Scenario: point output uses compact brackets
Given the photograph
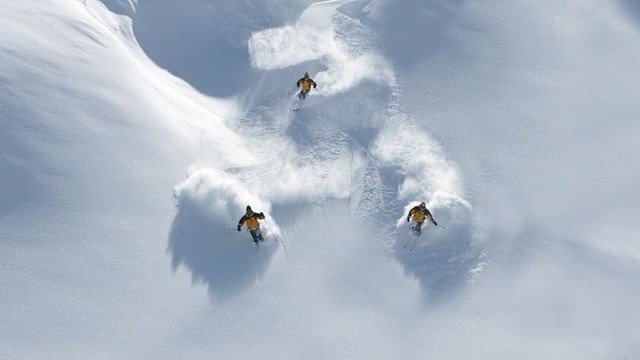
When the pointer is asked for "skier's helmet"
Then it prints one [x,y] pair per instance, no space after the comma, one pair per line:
[422,205]
[248,208]
[306,74]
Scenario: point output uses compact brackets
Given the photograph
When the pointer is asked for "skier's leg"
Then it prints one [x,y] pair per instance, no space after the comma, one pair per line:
[254,235]
[415,229]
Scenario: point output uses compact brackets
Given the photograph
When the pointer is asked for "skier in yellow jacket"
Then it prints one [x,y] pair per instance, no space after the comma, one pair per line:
[251,219]
[420,213]
[306,82]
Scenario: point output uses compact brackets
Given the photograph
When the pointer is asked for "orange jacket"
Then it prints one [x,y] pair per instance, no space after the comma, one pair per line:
[251,219]
[420,215]
[306,83]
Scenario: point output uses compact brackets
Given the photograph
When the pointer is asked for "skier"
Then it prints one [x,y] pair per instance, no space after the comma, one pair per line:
[251,219]
[420,213]
[306,83]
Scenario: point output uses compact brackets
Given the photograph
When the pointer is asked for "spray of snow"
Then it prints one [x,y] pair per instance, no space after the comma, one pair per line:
[328,37]
[427,173]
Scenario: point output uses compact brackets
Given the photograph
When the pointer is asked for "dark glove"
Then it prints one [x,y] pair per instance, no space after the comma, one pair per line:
[435,223]
[239,228]
[315,86]
[408,217]
[262,214]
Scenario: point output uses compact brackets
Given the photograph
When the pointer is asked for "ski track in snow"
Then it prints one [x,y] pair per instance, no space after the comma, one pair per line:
[348,141]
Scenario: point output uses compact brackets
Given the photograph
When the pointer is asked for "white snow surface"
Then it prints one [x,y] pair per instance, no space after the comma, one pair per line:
[133,133]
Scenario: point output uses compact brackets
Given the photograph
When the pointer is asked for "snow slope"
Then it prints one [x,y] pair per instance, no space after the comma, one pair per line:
[134,133]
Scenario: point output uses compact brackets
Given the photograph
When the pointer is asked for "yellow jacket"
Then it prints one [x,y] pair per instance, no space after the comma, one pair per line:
[420,215]
[251,219]
[306,83]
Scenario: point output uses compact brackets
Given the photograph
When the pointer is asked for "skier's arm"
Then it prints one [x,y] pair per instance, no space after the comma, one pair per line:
[298,83]
[260,216]
[313,83]
[431,218]
[243,219]
[409,216]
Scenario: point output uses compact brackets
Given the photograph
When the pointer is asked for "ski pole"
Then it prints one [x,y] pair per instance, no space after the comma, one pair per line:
[284,246]
[319,92]
[271,231]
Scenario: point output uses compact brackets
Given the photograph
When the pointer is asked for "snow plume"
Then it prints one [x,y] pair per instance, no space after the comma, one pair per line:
[287,46]
[444,261]
[217,193]
[427,173]
[313,162]
[323,168]
[204,238]
[342,45]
